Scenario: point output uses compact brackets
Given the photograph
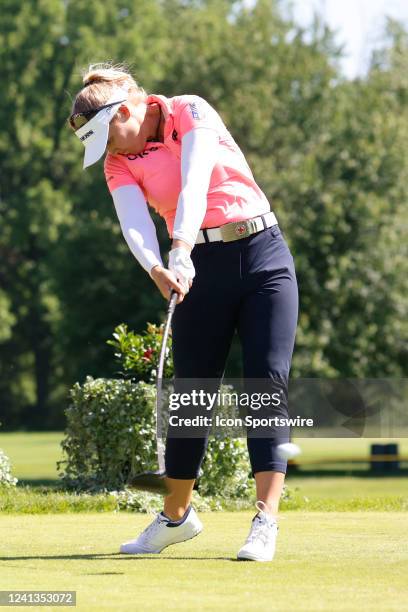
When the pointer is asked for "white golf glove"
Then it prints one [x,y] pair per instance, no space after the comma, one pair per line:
[181,265]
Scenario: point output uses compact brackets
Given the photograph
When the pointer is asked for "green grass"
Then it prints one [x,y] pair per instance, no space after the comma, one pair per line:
[337,562]
[325,451]
[42,500]
[341,488]
[339,545]
[34,457]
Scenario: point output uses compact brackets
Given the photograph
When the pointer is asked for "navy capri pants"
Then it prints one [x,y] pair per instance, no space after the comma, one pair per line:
[248,286]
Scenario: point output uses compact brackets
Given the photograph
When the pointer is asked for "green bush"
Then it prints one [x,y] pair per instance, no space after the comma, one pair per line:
[111,433]
[138,354]
[225,469]
[141,501]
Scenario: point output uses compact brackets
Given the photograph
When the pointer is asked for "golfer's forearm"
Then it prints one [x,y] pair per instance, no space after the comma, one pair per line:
[137,226]
[147,257]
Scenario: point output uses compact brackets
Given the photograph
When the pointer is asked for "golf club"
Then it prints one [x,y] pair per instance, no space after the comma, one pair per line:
[154,481]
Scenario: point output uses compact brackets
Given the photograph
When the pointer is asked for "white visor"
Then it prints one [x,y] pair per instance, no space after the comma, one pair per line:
[94,134]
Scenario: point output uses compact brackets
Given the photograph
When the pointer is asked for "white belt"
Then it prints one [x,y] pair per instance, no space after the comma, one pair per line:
[237,229]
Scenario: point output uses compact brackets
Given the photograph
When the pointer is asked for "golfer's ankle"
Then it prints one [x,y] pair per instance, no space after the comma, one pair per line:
[271,508]
[175,512]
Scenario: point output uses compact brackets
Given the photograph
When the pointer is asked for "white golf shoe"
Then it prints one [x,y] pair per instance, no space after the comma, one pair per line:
[261,541]
[162,532]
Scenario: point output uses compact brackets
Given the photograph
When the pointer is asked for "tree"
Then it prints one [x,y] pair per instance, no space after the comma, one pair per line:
[329,154]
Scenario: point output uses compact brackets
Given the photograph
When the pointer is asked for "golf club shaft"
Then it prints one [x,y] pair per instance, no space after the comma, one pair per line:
[159,379]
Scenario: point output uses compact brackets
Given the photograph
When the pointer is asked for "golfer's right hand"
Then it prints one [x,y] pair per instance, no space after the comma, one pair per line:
[166,281]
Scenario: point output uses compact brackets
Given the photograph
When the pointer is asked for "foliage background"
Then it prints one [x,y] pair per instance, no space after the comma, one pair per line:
[329,153]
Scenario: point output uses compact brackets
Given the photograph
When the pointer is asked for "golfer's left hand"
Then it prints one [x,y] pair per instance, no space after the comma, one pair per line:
[182,267]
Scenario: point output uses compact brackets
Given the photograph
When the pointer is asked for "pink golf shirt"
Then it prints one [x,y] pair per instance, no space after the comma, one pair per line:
[233,194]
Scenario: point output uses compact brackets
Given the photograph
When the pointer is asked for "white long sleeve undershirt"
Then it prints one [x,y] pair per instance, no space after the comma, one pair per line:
[137,225]
[198,156]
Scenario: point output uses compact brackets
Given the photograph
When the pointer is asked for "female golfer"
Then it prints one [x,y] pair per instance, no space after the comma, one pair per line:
[229,264]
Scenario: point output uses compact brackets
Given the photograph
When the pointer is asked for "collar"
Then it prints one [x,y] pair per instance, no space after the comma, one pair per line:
[167,111]
[164,104]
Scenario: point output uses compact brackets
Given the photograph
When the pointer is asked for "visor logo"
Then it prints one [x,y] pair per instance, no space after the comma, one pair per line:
[87,135]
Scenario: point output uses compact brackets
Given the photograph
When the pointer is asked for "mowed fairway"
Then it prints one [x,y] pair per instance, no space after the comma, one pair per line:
[33,455]
[324,561]
[342,543]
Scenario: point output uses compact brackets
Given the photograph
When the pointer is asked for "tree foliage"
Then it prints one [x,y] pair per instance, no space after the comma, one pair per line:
[330,155]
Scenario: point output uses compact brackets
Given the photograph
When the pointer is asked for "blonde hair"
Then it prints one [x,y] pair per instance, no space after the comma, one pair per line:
[98,82]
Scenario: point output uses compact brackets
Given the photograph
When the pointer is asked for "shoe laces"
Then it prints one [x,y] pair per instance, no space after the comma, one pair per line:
[261,528]
[152,528]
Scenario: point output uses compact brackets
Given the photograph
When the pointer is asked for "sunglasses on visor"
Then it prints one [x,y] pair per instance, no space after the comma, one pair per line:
[77,120]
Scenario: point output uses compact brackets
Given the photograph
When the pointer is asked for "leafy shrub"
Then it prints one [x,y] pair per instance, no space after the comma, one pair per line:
[141,501]
[225,469]
[6,478]
[111,433]
[138,354]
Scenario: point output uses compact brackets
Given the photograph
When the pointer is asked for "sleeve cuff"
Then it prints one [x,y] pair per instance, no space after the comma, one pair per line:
[153,265]
[180,235]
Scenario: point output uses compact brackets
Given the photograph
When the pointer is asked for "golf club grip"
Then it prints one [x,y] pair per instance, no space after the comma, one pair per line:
[172,302]
[170,310]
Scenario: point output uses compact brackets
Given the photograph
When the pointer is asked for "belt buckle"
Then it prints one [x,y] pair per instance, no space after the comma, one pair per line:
[237,230]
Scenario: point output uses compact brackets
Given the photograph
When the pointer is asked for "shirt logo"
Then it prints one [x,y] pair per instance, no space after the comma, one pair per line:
[194,110]
[141,155]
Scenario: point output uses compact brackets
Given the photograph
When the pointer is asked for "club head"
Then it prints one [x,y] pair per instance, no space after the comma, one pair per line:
[154,482]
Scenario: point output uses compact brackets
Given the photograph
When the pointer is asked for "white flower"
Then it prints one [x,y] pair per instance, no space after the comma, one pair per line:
[5,471]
